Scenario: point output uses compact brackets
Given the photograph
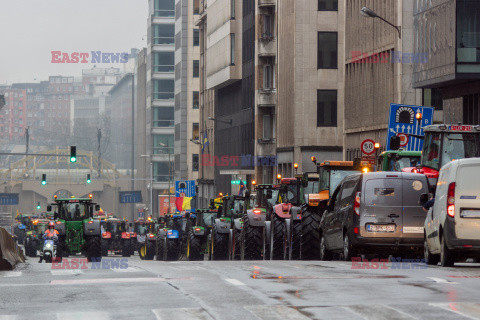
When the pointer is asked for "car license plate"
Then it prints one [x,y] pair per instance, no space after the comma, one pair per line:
[380,227]
[470,214]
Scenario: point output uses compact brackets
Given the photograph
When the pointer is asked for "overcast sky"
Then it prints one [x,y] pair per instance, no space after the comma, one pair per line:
[31,29]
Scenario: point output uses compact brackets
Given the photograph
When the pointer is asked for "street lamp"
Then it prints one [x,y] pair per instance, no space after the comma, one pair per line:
[369,13]
[223,121]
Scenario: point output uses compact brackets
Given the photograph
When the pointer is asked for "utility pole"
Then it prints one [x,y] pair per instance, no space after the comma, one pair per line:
[99,138]
[27,138]
[132,185]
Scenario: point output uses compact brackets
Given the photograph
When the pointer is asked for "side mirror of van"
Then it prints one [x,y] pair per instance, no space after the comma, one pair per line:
[423,199]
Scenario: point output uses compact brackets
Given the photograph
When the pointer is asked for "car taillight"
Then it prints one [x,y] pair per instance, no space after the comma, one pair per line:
[125,235]
[257,211]
[451,200]
[106,235]
[355,230]
[91,221]
[356,205]
[170,233]
[151,235]
[197,229]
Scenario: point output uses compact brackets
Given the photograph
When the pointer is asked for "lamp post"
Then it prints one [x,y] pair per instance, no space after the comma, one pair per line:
[151,182]
[166,146]
[369,13]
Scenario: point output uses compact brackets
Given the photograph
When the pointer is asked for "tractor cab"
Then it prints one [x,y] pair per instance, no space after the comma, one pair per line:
[397,160]
[266,196]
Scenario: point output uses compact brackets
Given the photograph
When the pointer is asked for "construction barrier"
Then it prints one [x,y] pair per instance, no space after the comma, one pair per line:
[10,253]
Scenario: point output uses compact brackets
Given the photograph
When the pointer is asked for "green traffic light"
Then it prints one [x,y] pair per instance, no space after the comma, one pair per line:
[73,159]
[44,182]
[38,207]
[88,181]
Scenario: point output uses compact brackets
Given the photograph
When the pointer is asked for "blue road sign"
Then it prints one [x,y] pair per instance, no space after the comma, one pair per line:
[403,121]
[130,196]
[185,188]
[8,199]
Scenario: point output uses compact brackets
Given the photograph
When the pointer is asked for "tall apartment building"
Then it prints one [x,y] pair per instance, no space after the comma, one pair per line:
[13,117]
[449,31]
[187,73]
[370,87]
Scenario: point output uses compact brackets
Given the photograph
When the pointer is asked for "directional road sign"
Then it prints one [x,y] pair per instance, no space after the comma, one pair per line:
[8,199]
[185,188]
[130,196]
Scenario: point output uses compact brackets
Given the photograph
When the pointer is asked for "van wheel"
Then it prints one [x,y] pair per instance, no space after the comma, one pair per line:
[431,259]
[325,254]
[348,250]
[447,257]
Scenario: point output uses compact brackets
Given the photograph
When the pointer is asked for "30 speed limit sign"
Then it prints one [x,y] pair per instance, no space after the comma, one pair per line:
[368,146]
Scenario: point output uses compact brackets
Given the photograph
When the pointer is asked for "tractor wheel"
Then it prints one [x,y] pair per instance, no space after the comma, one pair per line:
[104,249]
[252,240]
[220,245]
[159,249]
[237,244]
[94,249]
[277,238]
[173,249]
[296,238]
[325,254]
[149,250]
[310,235]
[28,250]
[126,248]
[33,248]
[194,247]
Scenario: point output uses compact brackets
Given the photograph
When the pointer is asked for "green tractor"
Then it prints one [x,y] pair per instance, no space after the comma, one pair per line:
[396,160]
[33,240]
[200,233]
[78,231]
[172,236]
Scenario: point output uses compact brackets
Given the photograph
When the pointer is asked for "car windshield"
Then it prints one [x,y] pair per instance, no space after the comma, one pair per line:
[267,198]
[289,194]
[73,211]
[312,187]
[208,218]
[238,206]
[460,146]
[403,162]
[141,228]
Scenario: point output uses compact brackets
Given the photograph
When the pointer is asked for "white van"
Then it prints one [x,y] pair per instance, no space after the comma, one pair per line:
[452,226]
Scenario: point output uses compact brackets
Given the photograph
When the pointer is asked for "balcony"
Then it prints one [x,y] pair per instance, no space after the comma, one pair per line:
[267,46]
[266,3]
[266,97]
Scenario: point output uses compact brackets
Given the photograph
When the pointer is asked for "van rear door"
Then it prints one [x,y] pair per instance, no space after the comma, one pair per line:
[413,213]
[381,216]
[467,201]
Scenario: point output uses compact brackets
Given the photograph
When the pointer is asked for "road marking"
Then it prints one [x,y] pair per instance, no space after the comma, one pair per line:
[129,269]
[10,274]
[181,313]
[276,312]
[378,312]
[112,280]
[469,310]
[83,315]
[64,272]
[8,317]
[440,280]
[235,282]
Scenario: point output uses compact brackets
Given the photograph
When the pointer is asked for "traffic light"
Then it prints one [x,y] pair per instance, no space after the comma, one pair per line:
[88,178]
[395,142]
[44,179]
[38,206]
[73,154]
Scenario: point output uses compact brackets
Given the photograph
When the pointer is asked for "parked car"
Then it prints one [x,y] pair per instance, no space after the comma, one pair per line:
[375,212]
[452,226]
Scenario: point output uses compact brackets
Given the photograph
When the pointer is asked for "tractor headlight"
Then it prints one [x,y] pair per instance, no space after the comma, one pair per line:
[48,245]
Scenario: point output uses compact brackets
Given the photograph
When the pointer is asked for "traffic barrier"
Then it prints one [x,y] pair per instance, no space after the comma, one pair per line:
[10,253]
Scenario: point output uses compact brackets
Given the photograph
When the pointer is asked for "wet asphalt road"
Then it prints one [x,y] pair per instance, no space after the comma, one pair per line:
[239,290]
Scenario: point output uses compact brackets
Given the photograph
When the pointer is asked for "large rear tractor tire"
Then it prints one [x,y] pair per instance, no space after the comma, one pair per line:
[252,240]
[160,249]
[126,248]
[149,250]
[194,250]
[296,239]
[94,249]
[237,245]
[277,238]
[220,245]
[311,235]
[173,249]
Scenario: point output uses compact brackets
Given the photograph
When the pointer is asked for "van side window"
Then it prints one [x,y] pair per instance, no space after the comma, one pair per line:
[334,198]
[348,192]
[383,192]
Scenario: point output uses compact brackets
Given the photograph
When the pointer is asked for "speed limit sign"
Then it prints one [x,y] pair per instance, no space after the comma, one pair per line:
[368,146]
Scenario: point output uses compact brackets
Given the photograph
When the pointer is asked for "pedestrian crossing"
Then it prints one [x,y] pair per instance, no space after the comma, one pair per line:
[447,311]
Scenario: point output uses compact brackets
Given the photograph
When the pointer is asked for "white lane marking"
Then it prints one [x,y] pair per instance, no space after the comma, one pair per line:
[235,282]
[276,312]
[378,312]
[83,315]
[10,274]
[469,310]
[63,272]
[440,280]
[112,280]
[8,317]
[129,269]
[181,313]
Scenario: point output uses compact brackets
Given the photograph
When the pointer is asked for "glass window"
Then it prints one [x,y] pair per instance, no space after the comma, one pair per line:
[196,6]
[468,31]
[431,148]
[267,126]
[196,68]
[460,146]
[327,5]
[196,37]
[163,144]
[163,89]
[267,76]
[164,8]
[327,50]
[195,131]
[326,108]
[163,117]
[196,96]
[383,192]
[267,26]
[194,162]
[162,171]
[164,61]
[432,98]
[164,34]
[232,9]
[232,48]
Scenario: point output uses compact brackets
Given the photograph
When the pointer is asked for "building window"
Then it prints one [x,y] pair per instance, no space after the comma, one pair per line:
[267,29]
[164,8]
[194,162]
[327,50]
[196,68]
[163,171]
[268,76]
[196,37]
[195,131]
[471,109]
[268,126]
[196,6]
[232,48]
[163,61]
[163,89]
[196,96]
[468,36]
[326,108]
[163,144]
[163,117]
[432,98]
[164,34]
[327,5]
[232,9]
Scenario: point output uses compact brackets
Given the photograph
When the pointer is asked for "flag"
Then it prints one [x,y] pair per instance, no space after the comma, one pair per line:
[205,141]
[183,203]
